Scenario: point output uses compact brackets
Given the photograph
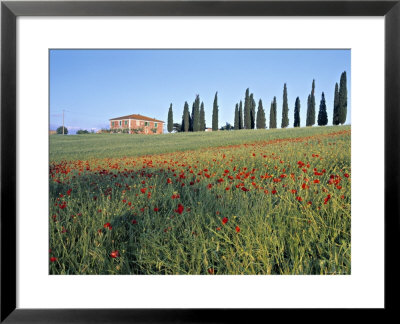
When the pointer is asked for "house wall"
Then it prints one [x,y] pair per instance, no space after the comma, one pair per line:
[134,123]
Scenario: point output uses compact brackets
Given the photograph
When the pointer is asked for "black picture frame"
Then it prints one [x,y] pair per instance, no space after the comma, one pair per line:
[10,10]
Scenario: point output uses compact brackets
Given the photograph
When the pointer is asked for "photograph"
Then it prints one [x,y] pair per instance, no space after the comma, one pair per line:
[199,161]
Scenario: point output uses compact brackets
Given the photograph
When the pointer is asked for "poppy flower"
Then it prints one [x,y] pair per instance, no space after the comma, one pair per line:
[114,254]
[53,259]
[245,189]
[180,209]
[224,220]
[237,229]
[143,190]
[108,225]
[156,209]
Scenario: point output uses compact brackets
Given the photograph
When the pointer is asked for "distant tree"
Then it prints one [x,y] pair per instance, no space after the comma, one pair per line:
[272,114]
[177,127]
[252,112]
[241,125]
[236,124]
[297,113]
[215,113]
[285,109]
[60,130]
[322,114]
[261,123]
[81,131]
[310,120]
[170,126]
[186,118]
[335,119]
[202,126]
[227,126]
[247,108]
[343,98]
[196,115]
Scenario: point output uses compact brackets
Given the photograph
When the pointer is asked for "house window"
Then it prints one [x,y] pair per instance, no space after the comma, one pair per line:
[137,123]
[146,123]
[120,123]
[155,125]
[126,122]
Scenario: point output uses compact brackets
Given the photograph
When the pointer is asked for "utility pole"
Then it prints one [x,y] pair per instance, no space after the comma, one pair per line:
[63,121]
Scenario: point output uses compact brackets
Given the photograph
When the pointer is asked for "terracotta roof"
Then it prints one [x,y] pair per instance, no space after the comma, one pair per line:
[137,116]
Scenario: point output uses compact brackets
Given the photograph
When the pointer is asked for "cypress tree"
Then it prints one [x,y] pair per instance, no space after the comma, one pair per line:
[297,113]
[170,126]
[247,121]
[322,114]
[272,114]
[191,119]
[285,109]
[252,112]
[202,126]
[335,119]
[196,115]
[343,98]
[261,124]
[185,118]
[241,115]
[215,113]
[236,124]
[310,120]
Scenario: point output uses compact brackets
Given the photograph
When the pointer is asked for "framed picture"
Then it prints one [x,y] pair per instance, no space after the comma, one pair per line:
[159,219]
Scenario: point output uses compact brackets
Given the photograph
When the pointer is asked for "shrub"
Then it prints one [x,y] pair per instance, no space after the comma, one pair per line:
[60,130]
[80,131]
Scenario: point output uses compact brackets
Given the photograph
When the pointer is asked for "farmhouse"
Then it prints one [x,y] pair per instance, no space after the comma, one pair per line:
[137,124]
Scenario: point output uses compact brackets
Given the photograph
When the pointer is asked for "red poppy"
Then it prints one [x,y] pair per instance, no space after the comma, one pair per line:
[237,229]
[224,220]
[180,209]
[69,192]
[114,254]
[156,209]
[53,259]
[143,190]
[108,225]
[245,189]
[299,198]
[134,221]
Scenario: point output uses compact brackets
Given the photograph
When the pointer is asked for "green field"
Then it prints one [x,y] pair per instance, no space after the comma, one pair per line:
[227,202]
[89,146]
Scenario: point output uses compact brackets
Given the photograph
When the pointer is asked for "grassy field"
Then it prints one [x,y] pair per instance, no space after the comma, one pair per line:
[95,146]
[239,202]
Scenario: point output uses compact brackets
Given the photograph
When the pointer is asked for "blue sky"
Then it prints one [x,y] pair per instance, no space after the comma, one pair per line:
[93,86]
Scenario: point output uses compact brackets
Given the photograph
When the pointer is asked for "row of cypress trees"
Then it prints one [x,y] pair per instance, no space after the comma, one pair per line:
[247,118]
[196,121]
